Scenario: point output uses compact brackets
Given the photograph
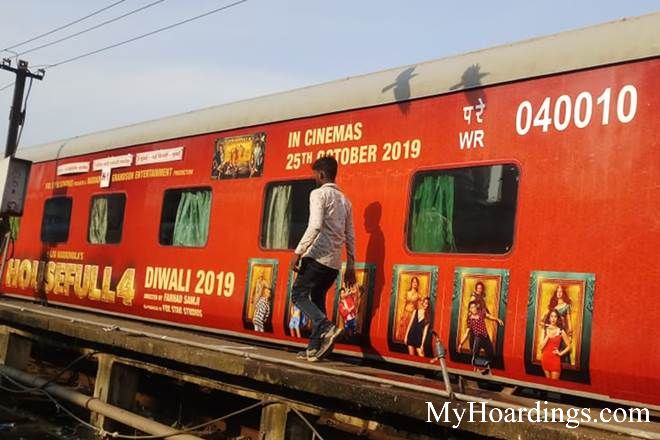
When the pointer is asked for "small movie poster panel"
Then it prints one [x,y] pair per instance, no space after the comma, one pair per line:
[352,305]
[296,323]
[239,156]
[476,332]
[412,304]
[260,287]
[559,314]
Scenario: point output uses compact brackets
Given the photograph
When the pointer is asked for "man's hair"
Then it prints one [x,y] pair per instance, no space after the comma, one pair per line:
[328,165]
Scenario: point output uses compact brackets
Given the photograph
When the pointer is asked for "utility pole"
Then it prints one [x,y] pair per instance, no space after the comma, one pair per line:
[14,173]
[17,114]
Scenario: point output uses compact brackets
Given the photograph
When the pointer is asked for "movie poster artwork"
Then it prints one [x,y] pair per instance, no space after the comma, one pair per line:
[412,304]
[239,156]
[352,305]
[259,291]
[478,303]
[559,315]
[296,323]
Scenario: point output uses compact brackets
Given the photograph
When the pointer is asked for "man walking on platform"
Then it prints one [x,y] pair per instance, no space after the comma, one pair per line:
[318,256]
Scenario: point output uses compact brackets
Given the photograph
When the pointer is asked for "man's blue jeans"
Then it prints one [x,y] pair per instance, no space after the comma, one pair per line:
[308,294]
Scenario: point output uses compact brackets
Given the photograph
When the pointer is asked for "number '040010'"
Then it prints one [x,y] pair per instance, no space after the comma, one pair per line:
[578,111]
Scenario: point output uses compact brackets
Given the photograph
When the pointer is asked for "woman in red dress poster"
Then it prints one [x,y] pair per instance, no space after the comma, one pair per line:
[553,335]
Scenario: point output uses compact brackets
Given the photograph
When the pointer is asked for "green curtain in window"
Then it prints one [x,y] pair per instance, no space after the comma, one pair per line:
[191,227]
[14,225]
[278,221]
[98,222]
[433,215]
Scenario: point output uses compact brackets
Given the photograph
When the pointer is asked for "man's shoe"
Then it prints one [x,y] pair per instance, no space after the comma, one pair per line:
[329,338]
[329,327]
[306,354]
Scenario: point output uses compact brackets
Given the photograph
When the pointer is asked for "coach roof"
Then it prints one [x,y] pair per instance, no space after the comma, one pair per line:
[615,42]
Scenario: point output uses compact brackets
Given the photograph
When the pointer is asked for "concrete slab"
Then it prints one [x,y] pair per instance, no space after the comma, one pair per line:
[375,394]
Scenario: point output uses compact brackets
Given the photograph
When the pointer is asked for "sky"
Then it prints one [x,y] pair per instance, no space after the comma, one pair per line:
[252,49]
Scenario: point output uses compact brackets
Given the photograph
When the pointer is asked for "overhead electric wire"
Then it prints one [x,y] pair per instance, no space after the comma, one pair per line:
[50,66]
[65,26]
[89,29]
[6,86]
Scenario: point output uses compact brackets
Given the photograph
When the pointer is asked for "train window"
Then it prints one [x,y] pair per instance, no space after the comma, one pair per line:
[184,220]
[106,219]
[56,220]
[464,210]
[283,226]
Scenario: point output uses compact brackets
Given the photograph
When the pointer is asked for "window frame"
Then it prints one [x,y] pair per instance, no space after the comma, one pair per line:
[123,219]
[160,220]
[43,217]
[264,199]
[457,166]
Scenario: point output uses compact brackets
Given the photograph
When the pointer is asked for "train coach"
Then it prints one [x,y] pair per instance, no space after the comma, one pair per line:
[515,186]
